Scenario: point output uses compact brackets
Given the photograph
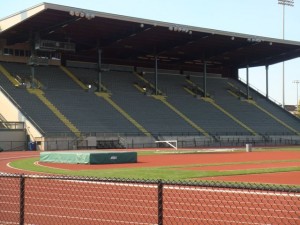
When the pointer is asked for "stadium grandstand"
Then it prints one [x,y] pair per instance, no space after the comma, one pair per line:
[73,78]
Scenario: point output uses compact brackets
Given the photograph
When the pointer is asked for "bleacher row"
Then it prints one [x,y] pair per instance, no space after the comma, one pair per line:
[129,108]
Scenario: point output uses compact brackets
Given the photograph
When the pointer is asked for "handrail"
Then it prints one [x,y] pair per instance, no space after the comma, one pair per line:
[259,91]
[178,134]
[23,111]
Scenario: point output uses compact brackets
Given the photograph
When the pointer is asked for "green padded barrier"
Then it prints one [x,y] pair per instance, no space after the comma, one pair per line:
[89,157]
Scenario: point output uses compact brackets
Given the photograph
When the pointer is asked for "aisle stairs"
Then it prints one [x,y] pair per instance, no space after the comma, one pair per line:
[107,97]
[163,99]
[40,94]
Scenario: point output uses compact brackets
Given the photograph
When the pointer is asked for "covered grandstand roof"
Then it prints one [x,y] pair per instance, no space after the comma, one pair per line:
[134,41]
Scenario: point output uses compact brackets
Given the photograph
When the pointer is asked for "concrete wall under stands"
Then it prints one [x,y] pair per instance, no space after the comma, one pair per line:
[13,139]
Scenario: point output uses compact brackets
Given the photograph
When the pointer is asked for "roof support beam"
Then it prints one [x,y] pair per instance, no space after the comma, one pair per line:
[99,89]
[204,80]
[247,74]
[125,36]
[267,81]
[156,75]
[273,59]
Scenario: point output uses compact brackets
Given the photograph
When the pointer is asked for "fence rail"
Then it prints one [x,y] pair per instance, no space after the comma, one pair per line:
[32,199]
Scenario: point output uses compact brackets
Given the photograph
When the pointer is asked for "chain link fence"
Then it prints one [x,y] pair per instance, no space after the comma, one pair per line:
[32,199]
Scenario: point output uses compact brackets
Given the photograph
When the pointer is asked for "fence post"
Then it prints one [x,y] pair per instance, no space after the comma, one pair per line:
[160,202]
[22,199]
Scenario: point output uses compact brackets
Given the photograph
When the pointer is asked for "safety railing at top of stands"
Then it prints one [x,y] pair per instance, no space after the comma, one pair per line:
[22,110]
[260,91]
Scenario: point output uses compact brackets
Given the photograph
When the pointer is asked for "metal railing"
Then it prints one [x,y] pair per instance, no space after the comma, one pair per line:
[12,125]
[61,144]
[32,199]
[260,91]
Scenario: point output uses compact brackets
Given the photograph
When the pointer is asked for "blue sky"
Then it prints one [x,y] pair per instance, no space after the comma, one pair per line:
[256,17]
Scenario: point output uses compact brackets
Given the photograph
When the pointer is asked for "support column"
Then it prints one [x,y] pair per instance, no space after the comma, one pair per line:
[99,88]
[32,68]
[204,80]
[33,63]
[247,74]
[156,75]
[267,81]
[283,86]
[22,200]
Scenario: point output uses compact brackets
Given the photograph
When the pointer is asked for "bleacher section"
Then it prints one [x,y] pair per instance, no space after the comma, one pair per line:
[144,108]
[138,105]
[201,112]
[128,111]
[271,107]
[90,113]
[29,103]
[258,120]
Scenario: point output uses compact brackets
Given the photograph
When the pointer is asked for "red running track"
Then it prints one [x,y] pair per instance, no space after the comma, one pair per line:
[57,201]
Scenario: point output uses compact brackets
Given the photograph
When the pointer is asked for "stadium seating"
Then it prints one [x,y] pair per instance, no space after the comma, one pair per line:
[225,116]
[261,122]
[201,112]
[31,105]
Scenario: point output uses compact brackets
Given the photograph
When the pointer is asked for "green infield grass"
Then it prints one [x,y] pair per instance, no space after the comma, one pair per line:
[166,172]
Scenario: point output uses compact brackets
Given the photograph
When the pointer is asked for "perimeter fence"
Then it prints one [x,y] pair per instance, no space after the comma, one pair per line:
[32,199]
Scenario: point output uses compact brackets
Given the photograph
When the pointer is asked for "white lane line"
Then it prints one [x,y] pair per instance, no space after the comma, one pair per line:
[37,163]
[204,189]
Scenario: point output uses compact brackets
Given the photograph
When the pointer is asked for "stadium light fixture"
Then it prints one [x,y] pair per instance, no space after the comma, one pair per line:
[180,29]
[297,82]
[81,14]
[291,4]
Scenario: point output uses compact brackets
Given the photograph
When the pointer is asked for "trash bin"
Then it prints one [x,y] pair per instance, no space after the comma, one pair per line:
[32,146]
[248,147]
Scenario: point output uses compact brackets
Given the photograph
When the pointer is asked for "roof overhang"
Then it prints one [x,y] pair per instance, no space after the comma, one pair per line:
[135,41]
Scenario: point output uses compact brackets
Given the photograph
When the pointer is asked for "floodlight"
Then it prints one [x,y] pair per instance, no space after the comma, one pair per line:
[297,82]
[284,3]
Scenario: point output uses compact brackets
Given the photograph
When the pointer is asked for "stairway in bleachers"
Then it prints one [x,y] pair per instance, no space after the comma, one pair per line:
[127,110]
[29,104]
[202,113]
[156,117]
[41,95]
[89,78]
[258,120]
[194,89]
[277,111]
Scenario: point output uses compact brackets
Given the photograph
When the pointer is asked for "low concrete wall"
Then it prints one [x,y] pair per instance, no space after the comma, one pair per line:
[13,140]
